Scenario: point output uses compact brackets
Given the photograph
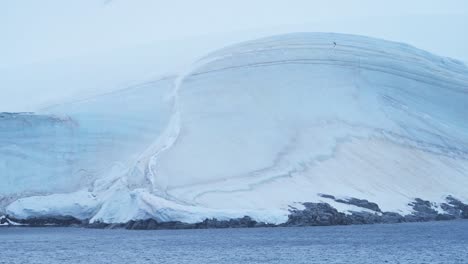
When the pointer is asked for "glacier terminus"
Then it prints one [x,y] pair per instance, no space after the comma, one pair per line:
[294,129]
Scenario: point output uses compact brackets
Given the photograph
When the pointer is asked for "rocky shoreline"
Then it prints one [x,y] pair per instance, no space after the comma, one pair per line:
[313,214]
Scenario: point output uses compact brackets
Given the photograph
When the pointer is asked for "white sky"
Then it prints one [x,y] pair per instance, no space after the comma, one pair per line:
[52,51]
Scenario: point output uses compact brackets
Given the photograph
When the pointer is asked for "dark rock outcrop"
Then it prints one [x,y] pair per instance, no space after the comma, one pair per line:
[313,214]
[316,214]
[151,224]
[392,218]
[361,218]
[360,203]
[49,221]
[3,220]
[244,222]
[363,203]
[424,211]
[323,214]
[455,207]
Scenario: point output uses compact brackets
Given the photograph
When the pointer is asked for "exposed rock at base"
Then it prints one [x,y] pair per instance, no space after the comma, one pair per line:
[313,214]
[361,218]
[392,218]
[316,214]
[455,207]
[48,221]
[322,214]
[3,220]
[424,211]
[151,224]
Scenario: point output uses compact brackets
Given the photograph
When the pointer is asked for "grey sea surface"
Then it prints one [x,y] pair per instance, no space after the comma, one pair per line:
[432,242]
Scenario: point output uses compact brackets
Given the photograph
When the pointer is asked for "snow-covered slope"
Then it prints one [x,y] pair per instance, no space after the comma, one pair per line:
[254,128]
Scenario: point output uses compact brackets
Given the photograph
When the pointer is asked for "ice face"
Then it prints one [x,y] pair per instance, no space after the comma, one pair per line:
[68,147]
[34,153]
[255,127]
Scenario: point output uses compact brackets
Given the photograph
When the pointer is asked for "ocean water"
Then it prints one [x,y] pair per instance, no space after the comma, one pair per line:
[435,242]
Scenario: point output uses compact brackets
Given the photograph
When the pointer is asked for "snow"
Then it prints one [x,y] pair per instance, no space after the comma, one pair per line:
[253,129]
[80,205]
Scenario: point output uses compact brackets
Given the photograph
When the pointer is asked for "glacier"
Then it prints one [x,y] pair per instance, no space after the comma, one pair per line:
[252,129]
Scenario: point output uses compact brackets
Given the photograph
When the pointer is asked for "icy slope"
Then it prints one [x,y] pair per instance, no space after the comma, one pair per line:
[67,147]
[256,127]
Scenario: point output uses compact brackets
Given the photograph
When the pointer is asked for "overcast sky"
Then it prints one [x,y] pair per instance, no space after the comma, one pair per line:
[44,43]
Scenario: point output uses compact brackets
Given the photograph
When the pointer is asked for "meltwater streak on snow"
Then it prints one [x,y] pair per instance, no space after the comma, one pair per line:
[166,140]
[448,138]
[147,160]
[169,137]
[262,125]
[121,203]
